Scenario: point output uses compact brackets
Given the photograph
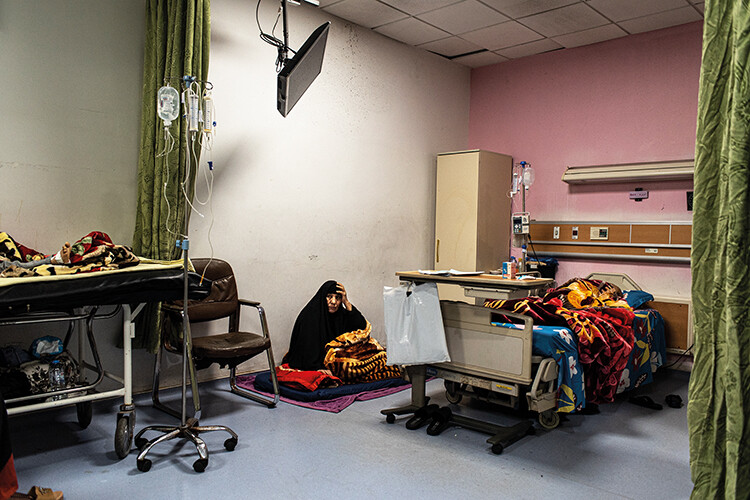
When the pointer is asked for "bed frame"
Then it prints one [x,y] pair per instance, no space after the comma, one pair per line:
[492,363]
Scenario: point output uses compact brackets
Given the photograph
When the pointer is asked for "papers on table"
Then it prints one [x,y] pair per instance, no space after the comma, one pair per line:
[450,272]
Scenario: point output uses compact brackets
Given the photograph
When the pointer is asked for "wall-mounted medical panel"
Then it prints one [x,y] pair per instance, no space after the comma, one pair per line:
[647,241]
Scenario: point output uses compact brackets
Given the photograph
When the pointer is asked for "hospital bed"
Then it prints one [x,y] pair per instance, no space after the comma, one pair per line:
[519,364]
[76,299]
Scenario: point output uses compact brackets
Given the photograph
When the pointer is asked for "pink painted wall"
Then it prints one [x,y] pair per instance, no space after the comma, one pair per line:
[633,99]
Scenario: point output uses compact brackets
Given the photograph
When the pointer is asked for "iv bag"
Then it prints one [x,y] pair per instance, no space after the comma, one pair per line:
[528,176]
[168,104]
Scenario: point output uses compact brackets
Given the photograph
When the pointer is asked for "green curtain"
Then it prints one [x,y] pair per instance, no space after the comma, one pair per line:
[178,34]
[719,390]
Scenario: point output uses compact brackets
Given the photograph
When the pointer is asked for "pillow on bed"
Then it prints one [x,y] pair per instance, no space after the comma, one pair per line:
[636,298]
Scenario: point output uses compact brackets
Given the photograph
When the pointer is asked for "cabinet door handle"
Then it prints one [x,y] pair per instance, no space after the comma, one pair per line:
[437,250]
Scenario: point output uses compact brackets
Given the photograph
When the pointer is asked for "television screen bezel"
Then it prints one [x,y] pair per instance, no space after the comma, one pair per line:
[320,33]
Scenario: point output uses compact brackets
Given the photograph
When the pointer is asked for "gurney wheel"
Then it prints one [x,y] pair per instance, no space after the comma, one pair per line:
[452,393]
[497,448]
[123,437]
[549,419]
[85,412]
[390,418]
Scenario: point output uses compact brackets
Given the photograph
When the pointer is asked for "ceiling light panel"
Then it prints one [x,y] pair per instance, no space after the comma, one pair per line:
[577,17]
[461,17]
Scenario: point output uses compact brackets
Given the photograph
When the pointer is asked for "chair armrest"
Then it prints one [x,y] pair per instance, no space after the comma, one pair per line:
[261,313]
[245,302]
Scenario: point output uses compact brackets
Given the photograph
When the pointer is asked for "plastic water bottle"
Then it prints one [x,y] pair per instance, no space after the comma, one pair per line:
[56,379]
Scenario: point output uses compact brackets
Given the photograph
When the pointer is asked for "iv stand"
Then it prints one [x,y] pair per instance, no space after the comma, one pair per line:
[189,428]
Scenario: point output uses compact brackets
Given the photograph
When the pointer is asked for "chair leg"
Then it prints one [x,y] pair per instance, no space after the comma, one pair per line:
[247,393]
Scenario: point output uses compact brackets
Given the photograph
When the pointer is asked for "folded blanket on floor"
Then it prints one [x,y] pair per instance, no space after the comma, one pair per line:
[332,399]
[356,357]
[306,380]
[93,252]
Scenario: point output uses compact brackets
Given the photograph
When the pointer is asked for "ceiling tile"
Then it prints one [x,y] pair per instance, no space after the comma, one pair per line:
[501,35]
[577,17]
[521,8]
[594,35]
[701,6]
[415,7]
[412,31]
[620,10]
[367,13]
[661,20]
[480,59]
[461,17]
[529,49]
[450,47]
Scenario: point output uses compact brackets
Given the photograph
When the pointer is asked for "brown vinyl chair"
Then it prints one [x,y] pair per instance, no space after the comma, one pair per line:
[227,349]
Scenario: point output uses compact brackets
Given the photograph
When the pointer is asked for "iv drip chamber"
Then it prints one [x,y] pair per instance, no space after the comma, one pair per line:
[194,111]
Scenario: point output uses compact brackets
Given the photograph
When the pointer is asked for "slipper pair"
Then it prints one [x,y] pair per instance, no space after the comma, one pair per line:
[441,420]
[645,401]
[421,417]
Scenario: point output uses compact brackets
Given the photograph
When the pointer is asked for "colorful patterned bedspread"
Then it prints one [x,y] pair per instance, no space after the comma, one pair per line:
[559,343]
[649,351]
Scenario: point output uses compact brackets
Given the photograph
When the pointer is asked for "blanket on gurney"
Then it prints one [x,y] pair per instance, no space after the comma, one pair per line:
[601,323]
[93,252]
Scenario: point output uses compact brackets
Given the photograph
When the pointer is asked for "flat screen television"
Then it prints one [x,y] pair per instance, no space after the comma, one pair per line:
[301,70]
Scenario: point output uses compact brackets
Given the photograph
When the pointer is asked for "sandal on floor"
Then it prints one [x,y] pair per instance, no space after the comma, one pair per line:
[38,493]
[441,420]
[421,417]
[645,401]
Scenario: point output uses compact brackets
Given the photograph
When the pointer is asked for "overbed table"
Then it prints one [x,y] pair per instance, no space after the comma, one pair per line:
[481,286]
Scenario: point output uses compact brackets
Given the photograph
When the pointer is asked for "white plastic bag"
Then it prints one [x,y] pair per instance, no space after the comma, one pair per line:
[414,325]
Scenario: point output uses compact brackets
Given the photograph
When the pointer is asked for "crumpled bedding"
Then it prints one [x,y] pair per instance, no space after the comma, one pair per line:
[602,322]
[93,252]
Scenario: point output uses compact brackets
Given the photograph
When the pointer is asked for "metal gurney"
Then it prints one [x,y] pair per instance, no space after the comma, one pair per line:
[75,298]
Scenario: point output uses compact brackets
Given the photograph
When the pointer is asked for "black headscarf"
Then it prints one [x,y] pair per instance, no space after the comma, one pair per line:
[315,327]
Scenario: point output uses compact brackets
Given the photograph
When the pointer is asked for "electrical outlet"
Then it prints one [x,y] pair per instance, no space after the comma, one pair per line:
[556,233]
[574,235]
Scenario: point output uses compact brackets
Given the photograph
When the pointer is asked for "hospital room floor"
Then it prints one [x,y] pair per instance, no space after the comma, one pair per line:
[625,451]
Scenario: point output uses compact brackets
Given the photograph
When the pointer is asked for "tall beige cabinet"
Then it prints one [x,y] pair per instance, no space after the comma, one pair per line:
[472,213]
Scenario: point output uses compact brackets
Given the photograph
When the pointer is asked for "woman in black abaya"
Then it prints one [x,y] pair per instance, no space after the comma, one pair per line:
[328,314]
